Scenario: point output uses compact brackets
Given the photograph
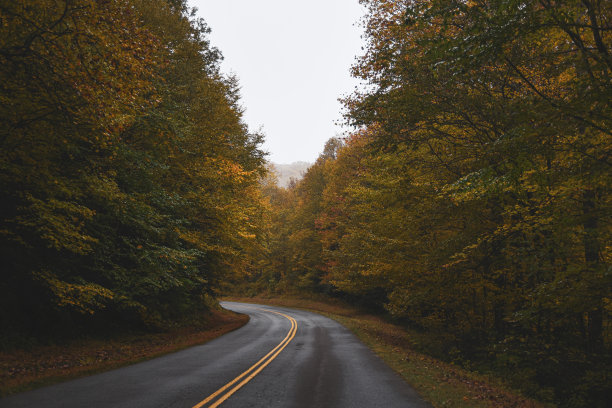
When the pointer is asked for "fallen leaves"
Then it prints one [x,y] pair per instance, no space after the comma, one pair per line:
[24,369]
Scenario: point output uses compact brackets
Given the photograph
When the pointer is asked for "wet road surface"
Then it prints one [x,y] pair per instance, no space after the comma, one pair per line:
[287,358]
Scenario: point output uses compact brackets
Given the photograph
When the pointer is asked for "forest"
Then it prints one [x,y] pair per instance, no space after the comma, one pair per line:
[129,183]
[470,203]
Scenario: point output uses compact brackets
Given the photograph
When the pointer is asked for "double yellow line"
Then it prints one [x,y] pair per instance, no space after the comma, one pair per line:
[221,395]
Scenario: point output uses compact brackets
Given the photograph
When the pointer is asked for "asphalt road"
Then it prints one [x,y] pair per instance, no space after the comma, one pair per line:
[310,361]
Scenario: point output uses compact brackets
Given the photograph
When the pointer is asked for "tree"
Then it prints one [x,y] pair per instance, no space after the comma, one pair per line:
[129,182]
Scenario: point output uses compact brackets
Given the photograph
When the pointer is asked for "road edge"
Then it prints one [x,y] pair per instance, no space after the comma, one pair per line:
[439,383]
[159,344]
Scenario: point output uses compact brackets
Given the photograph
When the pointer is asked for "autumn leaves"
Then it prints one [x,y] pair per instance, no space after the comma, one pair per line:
[127,173]
[474,202]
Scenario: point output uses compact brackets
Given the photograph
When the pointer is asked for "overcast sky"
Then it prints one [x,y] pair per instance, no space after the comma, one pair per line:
[293,60]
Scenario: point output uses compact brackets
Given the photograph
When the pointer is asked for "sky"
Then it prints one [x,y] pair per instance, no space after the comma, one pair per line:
[293,59]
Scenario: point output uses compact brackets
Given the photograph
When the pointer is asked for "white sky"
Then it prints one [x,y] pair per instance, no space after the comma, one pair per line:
[293,60]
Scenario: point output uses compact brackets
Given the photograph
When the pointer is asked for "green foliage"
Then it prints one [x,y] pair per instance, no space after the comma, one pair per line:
[474,202]
[128,177]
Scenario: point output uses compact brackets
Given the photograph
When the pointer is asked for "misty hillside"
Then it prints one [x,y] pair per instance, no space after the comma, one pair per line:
[285,172]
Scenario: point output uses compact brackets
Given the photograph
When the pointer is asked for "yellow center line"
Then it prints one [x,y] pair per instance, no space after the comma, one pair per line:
[254,369]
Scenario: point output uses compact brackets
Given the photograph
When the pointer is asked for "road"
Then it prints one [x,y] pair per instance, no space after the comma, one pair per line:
[281,358]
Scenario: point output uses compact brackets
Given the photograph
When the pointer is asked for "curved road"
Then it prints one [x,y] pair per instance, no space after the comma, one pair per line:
[287,358]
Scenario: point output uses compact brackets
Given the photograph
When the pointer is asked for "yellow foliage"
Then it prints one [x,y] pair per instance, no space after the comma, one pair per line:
[86,298]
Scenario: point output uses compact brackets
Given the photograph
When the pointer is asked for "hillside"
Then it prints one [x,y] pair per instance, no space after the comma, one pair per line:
[286,172]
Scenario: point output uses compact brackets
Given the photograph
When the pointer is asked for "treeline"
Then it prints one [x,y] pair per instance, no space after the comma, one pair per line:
[129,182]
[474,202]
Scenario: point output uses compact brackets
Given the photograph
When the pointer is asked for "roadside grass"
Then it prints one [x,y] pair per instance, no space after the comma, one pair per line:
[22,370]
[442,384]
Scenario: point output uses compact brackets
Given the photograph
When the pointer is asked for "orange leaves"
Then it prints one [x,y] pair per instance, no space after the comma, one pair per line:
[127,162]
[229,169]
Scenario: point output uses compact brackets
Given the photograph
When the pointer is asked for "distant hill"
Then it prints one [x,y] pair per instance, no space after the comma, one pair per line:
[285,172]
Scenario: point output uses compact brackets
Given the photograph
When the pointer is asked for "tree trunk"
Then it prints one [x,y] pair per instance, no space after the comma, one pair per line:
[591,257]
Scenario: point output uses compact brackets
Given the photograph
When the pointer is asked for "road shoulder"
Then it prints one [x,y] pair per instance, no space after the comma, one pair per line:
[22,370]
[439,383]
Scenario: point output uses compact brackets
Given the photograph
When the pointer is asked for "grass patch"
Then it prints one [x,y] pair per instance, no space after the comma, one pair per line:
[442,384]
[21,370]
